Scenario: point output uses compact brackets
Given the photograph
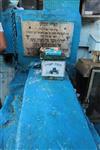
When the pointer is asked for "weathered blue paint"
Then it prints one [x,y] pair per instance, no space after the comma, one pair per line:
[48,117]
[54,11]
[10,112]
[54,117]
[37,113]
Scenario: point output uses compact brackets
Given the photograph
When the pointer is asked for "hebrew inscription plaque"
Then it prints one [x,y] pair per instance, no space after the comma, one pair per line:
[44,34]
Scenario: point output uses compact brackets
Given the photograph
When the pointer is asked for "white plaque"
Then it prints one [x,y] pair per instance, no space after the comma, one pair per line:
[53,68]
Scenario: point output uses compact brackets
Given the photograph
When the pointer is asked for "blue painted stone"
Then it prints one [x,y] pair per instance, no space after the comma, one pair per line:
[51,117]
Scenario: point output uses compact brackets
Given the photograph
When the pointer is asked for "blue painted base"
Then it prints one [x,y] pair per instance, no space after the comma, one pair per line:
[46,116]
